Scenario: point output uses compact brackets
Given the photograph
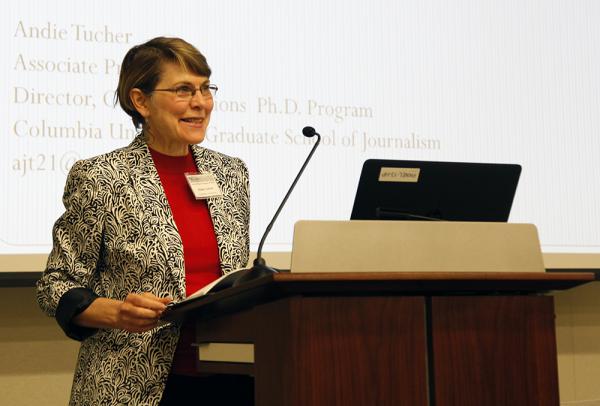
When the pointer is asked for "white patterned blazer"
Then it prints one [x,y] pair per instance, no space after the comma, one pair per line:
[116,236]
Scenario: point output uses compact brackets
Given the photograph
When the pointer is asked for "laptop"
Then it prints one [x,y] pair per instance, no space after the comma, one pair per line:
[425,190]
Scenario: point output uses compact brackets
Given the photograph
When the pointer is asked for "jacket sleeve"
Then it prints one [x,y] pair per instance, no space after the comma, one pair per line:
[64,288]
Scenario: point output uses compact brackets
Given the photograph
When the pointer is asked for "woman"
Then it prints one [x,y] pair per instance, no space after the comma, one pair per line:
[134,237]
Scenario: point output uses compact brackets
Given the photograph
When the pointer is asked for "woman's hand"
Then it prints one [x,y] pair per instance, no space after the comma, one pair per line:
[140,312]
[136,314]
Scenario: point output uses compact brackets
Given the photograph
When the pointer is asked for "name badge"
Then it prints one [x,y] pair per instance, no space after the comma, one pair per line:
[203,185]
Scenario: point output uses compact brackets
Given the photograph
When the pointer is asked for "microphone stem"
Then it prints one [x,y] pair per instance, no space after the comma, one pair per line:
[289,192]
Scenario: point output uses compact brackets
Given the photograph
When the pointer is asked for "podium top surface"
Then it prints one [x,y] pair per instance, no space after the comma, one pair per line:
[286,284]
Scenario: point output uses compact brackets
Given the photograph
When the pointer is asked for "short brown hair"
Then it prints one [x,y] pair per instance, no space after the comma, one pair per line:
[141,68]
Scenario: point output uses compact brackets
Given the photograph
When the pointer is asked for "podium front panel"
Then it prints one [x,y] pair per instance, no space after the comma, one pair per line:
[494,350]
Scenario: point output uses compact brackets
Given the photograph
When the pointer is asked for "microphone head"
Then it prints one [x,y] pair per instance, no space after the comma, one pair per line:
[308,132]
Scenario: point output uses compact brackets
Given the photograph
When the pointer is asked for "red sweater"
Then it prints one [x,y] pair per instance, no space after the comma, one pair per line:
[200,250]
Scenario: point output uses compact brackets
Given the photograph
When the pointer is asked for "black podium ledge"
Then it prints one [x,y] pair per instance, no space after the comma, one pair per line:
[28,279]
[276,286]
[594,271]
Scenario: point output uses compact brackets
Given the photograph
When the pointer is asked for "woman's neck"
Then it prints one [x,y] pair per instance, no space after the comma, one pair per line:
[166,147]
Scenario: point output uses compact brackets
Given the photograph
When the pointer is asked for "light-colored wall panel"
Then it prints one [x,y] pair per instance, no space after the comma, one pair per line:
[36,359]
[578,344]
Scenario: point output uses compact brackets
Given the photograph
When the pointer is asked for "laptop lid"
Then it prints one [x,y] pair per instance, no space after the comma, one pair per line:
[425,190]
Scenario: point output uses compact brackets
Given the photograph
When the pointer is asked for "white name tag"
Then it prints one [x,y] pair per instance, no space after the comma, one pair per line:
[203,185]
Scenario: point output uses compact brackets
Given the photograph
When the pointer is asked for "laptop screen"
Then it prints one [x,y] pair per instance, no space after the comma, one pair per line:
[423,190]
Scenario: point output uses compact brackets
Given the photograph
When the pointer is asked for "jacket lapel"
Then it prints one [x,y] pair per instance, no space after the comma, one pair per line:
[159,221]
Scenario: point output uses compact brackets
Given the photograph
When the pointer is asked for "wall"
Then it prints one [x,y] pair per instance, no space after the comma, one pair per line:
[36,359]
[578,343]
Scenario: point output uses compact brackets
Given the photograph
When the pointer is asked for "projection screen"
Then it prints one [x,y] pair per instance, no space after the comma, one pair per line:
[460,80]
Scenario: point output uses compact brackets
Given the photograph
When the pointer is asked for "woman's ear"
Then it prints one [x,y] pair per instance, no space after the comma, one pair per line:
[140,101]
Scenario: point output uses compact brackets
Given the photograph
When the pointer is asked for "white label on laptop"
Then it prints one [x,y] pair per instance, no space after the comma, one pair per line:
[203,185]
[399,174]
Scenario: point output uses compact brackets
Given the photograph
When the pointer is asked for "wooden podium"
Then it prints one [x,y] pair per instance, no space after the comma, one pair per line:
[386,338]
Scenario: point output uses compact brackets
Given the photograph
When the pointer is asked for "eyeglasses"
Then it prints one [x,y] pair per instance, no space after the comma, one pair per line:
[186,92]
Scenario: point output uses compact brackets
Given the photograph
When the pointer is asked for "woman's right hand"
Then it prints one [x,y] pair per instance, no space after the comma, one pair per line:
[141,312]
[137,313]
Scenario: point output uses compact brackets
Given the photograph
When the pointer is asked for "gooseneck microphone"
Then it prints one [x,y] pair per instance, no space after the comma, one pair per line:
[259,266]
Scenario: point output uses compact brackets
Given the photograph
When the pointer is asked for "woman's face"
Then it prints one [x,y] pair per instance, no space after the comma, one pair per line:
[173,123]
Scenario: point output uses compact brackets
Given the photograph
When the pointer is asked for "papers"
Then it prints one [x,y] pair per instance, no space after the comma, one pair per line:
[224,282]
